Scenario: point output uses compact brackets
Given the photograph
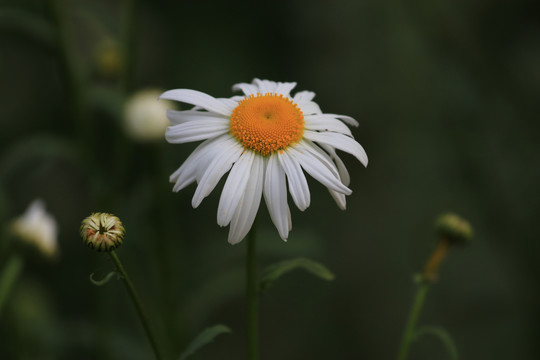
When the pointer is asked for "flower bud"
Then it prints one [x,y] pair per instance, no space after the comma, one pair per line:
[108,59]
[38,228]
[453,228]
[102,232]
[145,117]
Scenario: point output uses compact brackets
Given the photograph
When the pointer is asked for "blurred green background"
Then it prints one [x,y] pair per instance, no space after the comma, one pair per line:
[446,93]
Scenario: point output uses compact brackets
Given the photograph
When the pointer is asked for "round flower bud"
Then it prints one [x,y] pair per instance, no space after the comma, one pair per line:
[102,231]
[38,228]
[453,228]
[145,117]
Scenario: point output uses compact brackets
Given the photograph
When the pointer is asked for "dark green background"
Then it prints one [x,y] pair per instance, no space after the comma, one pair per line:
[446,93]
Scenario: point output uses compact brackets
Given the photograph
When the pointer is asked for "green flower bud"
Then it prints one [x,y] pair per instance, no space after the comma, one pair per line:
[102,231]
[453,228]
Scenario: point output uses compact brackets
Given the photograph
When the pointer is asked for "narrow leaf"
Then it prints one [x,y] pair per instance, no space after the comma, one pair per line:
[205,337]
[103,281]
[275,271]
[443,335]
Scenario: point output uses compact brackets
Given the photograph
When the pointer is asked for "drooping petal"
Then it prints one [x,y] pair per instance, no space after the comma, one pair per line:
[342,169]
[180,117]
[201,99]
[339,198]
[244,215]
[321,156]
[323,122]
[275,195]
[234,188]
[215,170]
[339,141]
[319,171]
[298,186]
[196,130]
[186,174]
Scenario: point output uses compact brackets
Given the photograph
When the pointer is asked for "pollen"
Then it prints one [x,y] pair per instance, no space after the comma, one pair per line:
[267,123]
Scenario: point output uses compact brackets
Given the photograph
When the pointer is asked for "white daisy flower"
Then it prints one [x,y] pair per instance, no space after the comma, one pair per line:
[267,139]
[38,228]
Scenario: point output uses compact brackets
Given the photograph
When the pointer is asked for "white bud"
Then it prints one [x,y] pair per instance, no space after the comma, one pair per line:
[145,116]
[38,228]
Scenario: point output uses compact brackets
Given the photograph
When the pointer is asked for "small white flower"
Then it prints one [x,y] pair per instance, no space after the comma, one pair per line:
[38,228]
[144,118]
[267,139]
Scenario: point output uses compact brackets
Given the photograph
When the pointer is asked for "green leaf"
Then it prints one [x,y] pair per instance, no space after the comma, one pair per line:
[275,271]
[443,335]
[205,337]
[103,281]
[28,24]
[8,278]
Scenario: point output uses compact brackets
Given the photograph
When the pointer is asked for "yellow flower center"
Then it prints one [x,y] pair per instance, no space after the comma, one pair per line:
[266,123]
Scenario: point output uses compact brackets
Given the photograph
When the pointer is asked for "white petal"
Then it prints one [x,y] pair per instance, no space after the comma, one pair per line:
[234,188]
[265,86]
[285,88]
[308,146]
[324,122]
[186,174]
[346,119]
[298,186]
[275,195]
[339,141]
[342,169]
[303,96]
[309,108]
[249,204]
[201,99]
[196,130]
[247,89]
[319,171]
[215,170]
[339,199]
[180,117]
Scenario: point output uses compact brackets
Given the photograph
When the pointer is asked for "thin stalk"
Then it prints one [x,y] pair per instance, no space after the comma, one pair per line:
[408,335]
[8,277]
[138,304]
[429,275]
[252,316]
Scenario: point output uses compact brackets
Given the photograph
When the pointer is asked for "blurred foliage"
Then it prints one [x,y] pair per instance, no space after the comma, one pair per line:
[446,93]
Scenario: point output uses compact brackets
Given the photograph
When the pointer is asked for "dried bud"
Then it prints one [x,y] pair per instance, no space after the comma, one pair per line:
[102,231]
[453,228]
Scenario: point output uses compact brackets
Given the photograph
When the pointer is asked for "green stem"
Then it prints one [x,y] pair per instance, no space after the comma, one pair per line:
[138,304]
[251,297]
[8,277]
[408,335]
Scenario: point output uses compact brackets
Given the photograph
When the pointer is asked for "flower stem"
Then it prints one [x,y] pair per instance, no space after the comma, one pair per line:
[8,277]
[429,275]
[251,297]
[408,335]
[138,304]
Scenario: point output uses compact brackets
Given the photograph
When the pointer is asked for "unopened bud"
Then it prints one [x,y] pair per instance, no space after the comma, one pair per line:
[145,118]
[37,227]
[102,231]
[453,228]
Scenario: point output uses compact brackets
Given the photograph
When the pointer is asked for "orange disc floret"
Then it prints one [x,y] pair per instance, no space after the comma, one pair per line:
[266,123]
